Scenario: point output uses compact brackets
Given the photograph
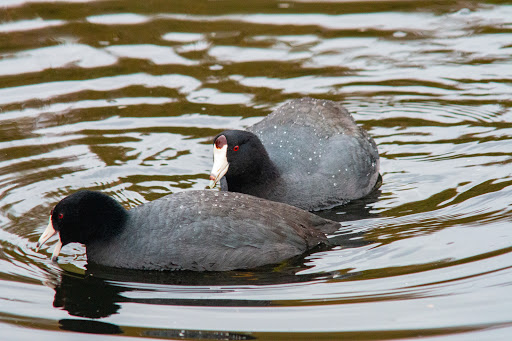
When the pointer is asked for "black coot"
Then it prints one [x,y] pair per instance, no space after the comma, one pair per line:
[193,230]
[309,153]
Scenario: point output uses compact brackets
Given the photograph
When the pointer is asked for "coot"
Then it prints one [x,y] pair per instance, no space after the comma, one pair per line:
[309,153]
[193,230]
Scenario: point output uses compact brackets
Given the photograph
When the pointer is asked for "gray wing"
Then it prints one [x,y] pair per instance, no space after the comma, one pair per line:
[320,151]
[216,231]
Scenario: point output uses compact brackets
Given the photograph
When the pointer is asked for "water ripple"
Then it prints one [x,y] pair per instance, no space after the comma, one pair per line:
[126,99]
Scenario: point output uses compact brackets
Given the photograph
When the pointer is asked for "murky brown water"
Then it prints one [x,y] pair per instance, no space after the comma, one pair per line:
[124,97]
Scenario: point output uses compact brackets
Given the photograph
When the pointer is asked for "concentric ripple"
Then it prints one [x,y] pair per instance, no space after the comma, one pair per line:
[124,97]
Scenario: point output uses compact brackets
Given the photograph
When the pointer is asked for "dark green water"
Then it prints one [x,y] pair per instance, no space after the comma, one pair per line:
[125,96]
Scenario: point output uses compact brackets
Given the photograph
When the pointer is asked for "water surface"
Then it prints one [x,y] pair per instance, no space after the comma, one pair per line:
[125,96]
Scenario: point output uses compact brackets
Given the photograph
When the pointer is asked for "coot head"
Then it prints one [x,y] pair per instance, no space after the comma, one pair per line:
[239,155]
[83,217]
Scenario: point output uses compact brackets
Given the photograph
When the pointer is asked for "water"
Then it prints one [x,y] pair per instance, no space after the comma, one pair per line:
[124,97]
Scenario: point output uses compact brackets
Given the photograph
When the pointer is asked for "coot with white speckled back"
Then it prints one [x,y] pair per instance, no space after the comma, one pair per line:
[308,153]
[193,230]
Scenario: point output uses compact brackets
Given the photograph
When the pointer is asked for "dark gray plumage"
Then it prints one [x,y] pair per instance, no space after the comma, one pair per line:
[192,230]
[317,157]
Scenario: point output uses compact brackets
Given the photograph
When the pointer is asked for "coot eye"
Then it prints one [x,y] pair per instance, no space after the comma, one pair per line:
[61,215]
[236,148]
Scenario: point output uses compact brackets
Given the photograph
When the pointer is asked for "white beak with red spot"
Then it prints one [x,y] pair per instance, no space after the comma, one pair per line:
[50,231]
[220,160]
[220,165]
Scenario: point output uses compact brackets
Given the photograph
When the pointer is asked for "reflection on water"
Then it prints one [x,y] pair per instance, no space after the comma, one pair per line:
[125,97]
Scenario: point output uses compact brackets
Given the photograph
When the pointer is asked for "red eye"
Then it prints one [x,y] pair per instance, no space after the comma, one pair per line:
[236,148]
[61,215]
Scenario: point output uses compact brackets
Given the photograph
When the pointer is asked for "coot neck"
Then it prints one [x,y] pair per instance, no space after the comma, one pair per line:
[261,176]
[101,218]
[110,226]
